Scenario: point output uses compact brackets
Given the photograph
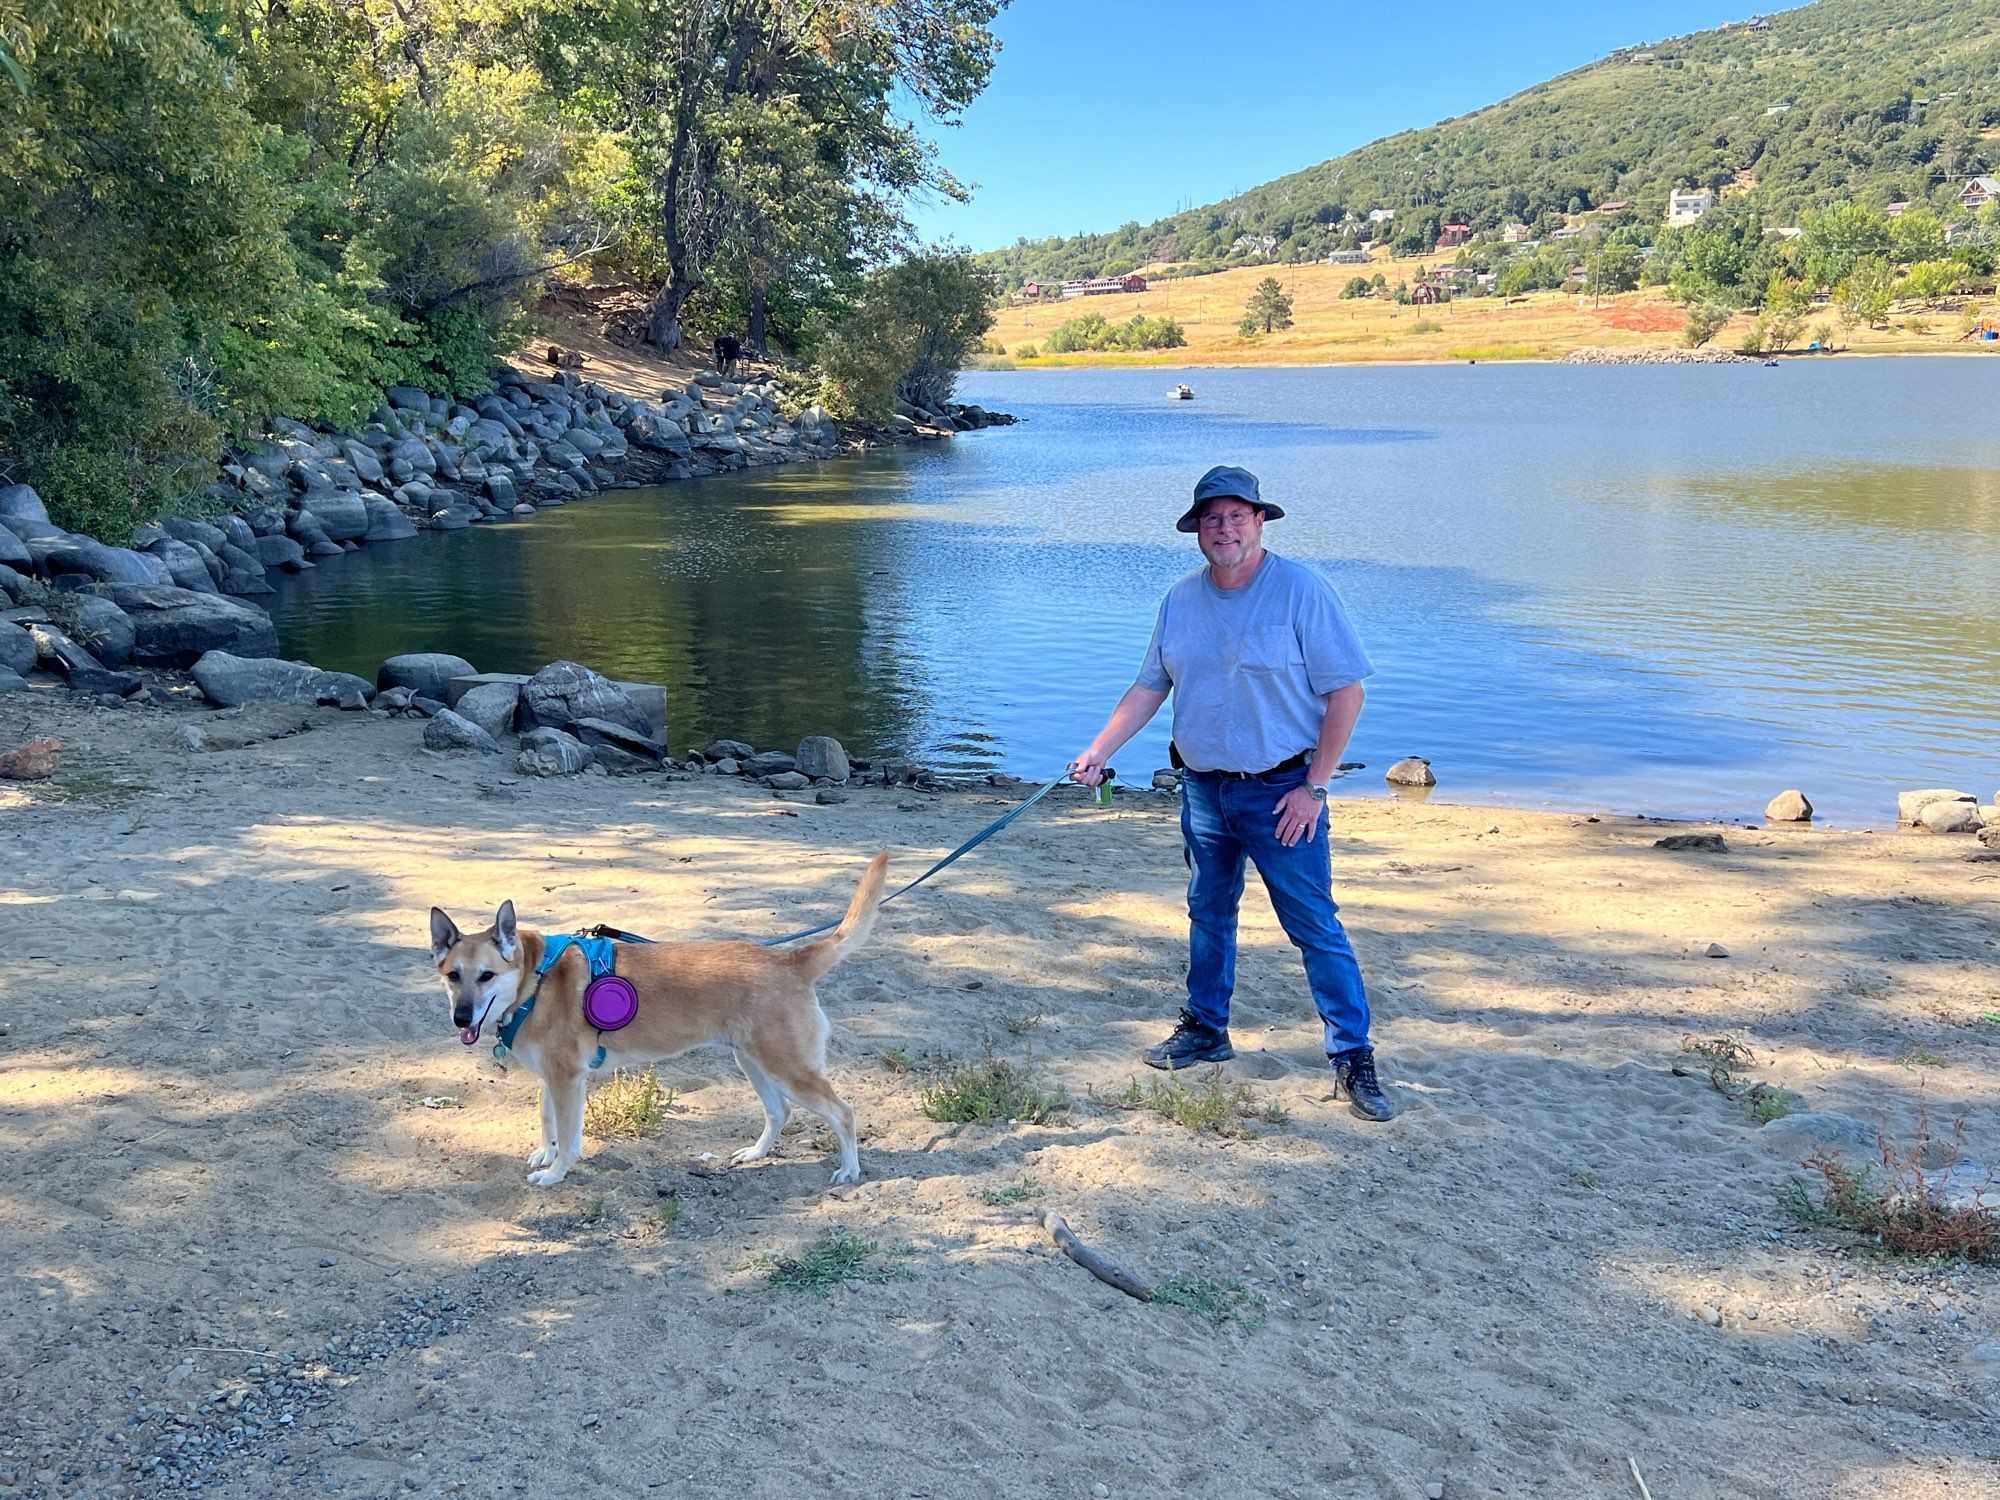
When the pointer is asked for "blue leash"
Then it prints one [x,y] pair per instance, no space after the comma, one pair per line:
[959,853]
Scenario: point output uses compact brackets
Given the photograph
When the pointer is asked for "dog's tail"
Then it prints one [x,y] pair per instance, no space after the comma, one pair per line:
[819,958]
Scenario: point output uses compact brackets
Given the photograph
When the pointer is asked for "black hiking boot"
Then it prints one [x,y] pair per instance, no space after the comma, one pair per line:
[1354,1076]
[1191,1043]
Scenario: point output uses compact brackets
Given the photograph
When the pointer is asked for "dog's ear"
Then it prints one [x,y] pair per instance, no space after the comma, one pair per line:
[444,934]
[505,933]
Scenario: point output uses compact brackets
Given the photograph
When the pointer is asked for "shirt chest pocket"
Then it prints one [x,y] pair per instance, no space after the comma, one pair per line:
[1269,649]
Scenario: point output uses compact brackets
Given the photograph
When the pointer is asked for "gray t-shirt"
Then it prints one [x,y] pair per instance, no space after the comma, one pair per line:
[1251,668]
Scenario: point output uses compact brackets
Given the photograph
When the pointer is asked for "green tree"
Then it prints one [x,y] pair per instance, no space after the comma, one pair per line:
[907,335]
[1704,321]
[1866,292]
[1928,280]
[1269,306]
[1917,235]
[1611,267]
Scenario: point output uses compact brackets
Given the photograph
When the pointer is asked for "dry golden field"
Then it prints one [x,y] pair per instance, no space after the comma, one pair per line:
[1329,330]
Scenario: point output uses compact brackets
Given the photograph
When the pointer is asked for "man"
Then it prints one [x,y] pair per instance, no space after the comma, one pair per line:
[1265,673]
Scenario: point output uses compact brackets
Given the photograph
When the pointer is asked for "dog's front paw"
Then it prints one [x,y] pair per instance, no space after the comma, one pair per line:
[747,1155]
[550,1175]
[845,1176]
[542,1156]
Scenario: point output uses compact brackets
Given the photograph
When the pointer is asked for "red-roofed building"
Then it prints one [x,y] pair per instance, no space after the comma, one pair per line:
[1454,235]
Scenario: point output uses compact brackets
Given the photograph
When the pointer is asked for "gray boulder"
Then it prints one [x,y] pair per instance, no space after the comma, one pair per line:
[407,398]
[17,500]
[651,428]
[12,681]
[172,627]
[565,691]
[446,730]
[458,687]
[729,750]
[1951,817]
[1910,805]
[361,458]
[788,781]
[1789,807]
[17,648]
[491,706]
[386,522]
[768,763]
[102,629]
[304,528]
[230,681]
[1415,771]
[243,572]
[342,514]
[412,456]
[550,752]
[195,532]
[425,673]
[14,552]
[276,551]
[56,652]
[105,564]
[821,755]
[617,748]
[185,564]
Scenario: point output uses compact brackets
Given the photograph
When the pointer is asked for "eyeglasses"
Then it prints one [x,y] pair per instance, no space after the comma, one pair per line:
[1211,521]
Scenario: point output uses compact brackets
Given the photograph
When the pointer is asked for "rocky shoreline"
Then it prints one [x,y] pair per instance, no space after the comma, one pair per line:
[124,623]
[1656,357]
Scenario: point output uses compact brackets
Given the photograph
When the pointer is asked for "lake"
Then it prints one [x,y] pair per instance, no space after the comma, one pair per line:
[1668,590]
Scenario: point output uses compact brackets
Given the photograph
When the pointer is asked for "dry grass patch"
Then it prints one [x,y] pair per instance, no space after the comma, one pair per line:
[627,1105]
[1213,1106]
[992,1088]
[1903,1210]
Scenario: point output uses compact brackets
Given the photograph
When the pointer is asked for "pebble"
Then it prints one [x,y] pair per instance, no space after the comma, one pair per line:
[1710,1315]
[1716,950]
[1100,1490]
[1434,1490]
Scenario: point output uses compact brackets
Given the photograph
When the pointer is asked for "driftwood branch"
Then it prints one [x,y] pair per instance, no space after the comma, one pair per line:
[1092,1262]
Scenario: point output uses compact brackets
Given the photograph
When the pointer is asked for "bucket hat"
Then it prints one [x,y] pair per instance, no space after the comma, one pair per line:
[1226,480]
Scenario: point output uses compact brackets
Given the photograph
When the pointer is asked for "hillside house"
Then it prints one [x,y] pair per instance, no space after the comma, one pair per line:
[1615,206]
[1686,205]
[1103,286]
[1381,215]
[1978,192]
[1897,210]
[1253,244]
[1514,233]
[1349,258]
[1453,235]
[1760,23]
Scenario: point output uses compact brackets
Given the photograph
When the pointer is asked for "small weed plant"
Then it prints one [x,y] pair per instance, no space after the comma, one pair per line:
[992,1088]
[1015,1192]
[1726,1055]
[835,1259]
[627,1105]
[1902,1210]
[1764,1103]
[1218,1302]
[1211,1106]
[1021,1025]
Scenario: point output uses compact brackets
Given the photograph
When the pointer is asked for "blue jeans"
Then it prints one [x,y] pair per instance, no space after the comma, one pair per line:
[1225,820]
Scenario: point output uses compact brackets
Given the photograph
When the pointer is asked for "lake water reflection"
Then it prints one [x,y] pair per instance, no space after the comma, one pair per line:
[1665,590]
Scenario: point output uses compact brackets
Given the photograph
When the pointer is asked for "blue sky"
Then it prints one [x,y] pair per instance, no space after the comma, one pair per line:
[1102,111]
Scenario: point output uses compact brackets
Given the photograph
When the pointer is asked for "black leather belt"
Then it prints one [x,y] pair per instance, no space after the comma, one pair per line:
[1303,758]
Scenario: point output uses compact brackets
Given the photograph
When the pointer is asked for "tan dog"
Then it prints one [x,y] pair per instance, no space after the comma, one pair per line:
[759,1000]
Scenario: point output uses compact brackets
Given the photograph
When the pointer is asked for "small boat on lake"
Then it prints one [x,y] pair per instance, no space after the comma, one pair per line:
[1180,393]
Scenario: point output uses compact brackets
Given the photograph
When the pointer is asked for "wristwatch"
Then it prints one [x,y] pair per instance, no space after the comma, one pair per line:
[1318,791]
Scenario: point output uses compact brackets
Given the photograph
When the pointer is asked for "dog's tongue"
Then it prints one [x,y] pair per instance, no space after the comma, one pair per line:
[468,1034]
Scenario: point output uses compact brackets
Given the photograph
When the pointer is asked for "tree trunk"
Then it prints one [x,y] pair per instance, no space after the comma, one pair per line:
[664,331]
[756,328]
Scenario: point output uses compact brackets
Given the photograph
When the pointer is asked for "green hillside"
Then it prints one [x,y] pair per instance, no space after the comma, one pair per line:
[1878,100]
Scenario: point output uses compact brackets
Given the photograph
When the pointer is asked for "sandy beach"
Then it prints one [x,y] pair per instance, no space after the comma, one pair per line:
[267,1226]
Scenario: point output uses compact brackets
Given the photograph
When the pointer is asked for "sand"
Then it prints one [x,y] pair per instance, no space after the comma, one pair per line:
[237,1119]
